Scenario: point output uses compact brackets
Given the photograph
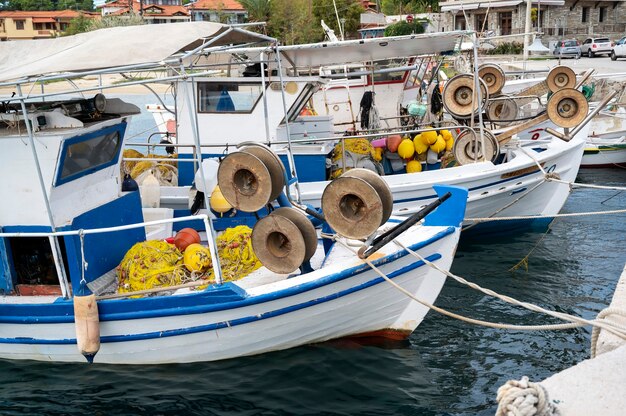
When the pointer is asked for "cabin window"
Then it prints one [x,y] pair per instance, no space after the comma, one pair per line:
[228,97]
[89,153]
[342,71]
[389,76]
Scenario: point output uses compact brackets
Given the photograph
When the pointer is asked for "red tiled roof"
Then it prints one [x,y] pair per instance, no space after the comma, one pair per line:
[216,5]
[167,10]
[39,14]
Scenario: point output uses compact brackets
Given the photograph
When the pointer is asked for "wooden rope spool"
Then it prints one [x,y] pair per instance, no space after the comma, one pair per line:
[458,96]
[356,204]
[493,76]
[381,187]
[278,243]
[468,148]
[567,108]
[560,77]
[502,111]
[250,178]
[304,225]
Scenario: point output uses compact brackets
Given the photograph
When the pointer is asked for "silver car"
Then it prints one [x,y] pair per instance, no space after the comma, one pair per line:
[596,46]
[567,48]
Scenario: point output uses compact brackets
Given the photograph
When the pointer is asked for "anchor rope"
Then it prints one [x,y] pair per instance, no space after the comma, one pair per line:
[552,177]
[612,327]
[445,312]
[595,333]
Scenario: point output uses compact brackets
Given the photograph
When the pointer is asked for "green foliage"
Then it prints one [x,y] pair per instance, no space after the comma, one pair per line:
[404,28]
[79,24]
[347,9]
[397,7]
[84,24]
[30,5]
[86,5]
[292,22]
[258,10]
[507,48]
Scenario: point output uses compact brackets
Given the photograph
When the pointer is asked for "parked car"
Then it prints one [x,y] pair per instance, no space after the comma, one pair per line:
[567,48]
[596,46]
[619,49]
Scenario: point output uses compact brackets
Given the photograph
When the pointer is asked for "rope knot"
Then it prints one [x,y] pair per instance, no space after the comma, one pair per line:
[552,175]
[524,398]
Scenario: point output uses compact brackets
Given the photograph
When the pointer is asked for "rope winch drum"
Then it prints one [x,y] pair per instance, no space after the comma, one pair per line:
[468,147]
[251,177]
[502,111]
[493,76]
[459,99]
[561,77]
[567,108]
[284,240]
[357,203]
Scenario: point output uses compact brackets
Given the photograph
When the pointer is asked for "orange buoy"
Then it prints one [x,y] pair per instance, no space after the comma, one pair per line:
[393,142]
[185,237]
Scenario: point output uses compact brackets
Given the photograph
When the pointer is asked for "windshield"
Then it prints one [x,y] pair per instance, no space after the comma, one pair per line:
[602,40]
[570,43]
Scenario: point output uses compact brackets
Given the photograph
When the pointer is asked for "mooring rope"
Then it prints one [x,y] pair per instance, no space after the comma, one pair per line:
[595,333]
[488,324]
[612,327]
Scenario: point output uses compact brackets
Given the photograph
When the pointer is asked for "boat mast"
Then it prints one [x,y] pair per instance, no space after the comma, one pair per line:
[54,242]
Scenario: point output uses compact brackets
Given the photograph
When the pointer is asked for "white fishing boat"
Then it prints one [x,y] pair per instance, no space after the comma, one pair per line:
[511,178]
[72,236]
[606,143]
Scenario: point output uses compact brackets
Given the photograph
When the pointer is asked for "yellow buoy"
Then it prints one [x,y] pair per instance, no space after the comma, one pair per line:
[429,137]
[406,149]
[218,202]
[197,258]
[446,134]
[413,166]
[439,145]
[420,146]
[449,144]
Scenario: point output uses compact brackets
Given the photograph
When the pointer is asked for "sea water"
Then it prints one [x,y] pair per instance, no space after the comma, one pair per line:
[447,367]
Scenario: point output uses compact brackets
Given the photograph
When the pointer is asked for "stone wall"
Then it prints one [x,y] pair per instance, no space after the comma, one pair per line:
[559,22]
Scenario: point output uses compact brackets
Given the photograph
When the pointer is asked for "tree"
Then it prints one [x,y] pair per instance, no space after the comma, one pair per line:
[392,7]
[258,10]
[292,22]
[30,5]
[78,24]
[350,10]
[404,28]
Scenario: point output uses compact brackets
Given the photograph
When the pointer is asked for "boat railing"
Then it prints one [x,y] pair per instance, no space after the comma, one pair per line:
[83,232]
[305,141]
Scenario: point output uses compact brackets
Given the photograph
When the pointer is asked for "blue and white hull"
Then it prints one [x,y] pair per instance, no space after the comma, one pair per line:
[343,298]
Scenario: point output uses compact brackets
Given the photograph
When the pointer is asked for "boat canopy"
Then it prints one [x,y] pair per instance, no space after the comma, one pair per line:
[113,48]
[366,50]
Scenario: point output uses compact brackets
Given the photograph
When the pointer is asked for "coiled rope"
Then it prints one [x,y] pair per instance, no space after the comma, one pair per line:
[524,398]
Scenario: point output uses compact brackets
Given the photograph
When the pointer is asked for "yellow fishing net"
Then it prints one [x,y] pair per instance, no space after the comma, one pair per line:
[158,264]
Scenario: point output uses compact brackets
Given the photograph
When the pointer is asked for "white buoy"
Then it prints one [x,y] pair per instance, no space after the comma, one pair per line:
[87,323]
[150,192]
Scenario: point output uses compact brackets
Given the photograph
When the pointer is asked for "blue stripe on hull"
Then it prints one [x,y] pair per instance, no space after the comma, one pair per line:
[215,298]
[234,322]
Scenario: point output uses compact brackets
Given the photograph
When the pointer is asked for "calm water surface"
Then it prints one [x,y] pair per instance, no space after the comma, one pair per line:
[446,368]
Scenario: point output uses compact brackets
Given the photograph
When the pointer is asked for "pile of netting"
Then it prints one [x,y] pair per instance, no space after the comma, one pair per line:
[355,151]
[158,264]
[166,171]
